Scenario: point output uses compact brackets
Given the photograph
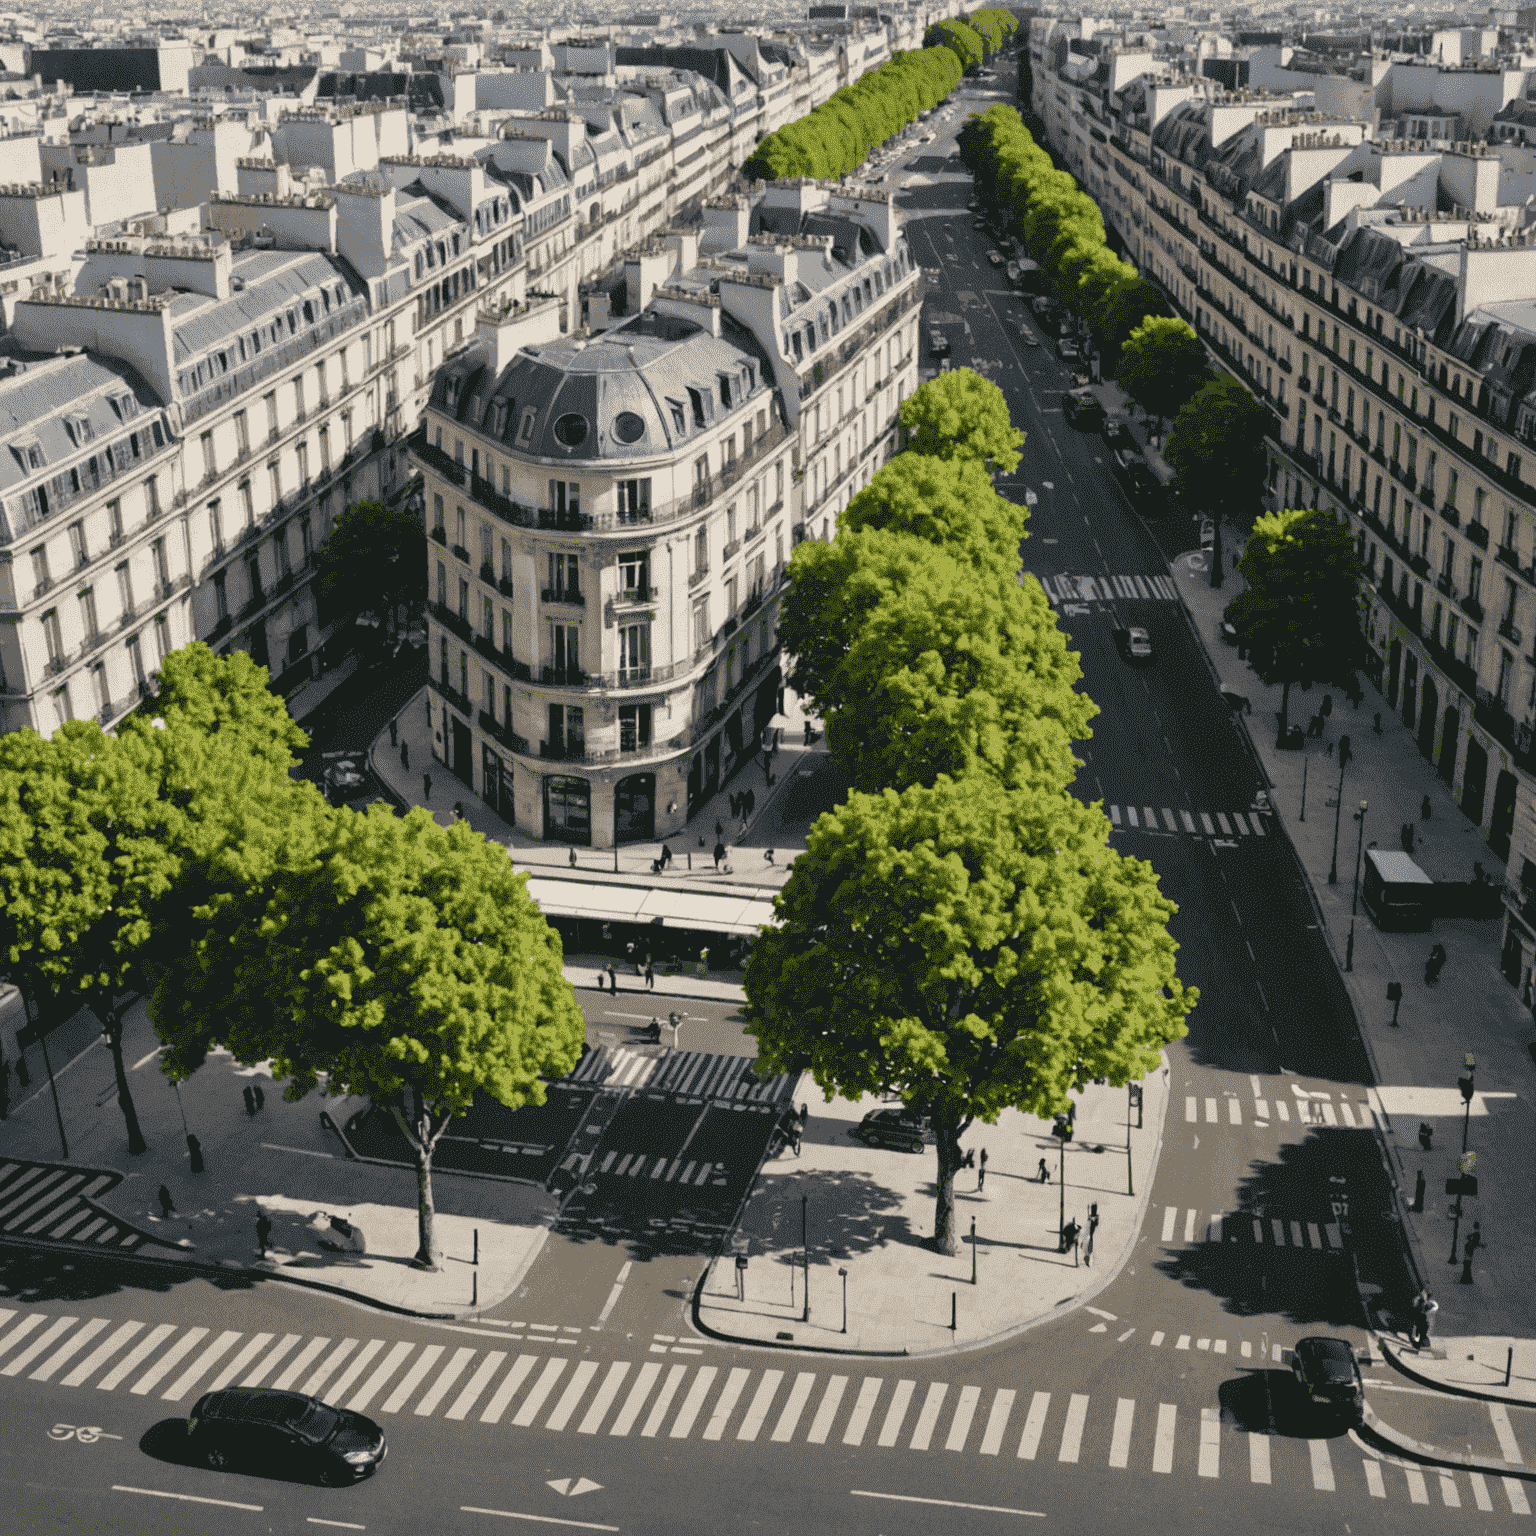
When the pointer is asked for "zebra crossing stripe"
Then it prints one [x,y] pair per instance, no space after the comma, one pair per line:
[784,1430]
[1516,1496]
[158,1371]
[762,1400]
[482,1379]
[1034,1426]
[446,1378]
[1322,1466]
[645,1379]
[1162,1445]
[272,1360]
[1258,1459]
[540,1390]
[375,1383]
[1448,1493]
[328,1367]
[140,1352]
[205,1362]
[40,1345]
[507,1390]
[890,1431]
[821,1425]
[1210,1442]
[960,1425]
[575,1390]
[1417,1491]
[682,1425]
[1480,1492]
[858,1420]
[1072,1429]
[928,1416]
[1120,1440]
[664,1401]
[1189,821]
[20,1331]
[300,1362]
[69,1349]
[52,1178]
[997,1421]
[101,1354]
[342,1383]
[725,1404]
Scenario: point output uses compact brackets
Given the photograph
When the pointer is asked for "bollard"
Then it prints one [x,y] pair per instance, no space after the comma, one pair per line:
[476,1259]
[474,1288]
[1509,1364]
[973,1250]
[953,1303]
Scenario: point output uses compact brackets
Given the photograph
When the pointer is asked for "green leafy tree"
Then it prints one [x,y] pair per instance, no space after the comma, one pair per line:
[393,956]
[965,44]
[1162,366]
[961,415]
[373,560]
[971,949]
[948,502]
[957,673]
[1299,616]
[1127,308]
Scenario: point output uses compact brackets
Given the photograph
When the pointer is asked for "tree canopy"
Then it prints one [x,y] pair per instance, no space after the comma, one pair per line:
[1299,616]
[970,948]
[1162,366]
[1217,449]
[373,559]
[966,44]
[390,957]
[961,415]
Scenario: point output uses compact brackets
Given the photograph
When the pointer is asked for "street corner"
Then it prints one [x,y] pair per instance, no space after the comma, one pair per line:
[1495,1370]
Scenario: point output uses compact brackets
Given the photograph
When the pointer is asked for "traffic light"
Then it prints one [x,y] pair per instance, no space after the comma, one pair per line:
[1062,1129]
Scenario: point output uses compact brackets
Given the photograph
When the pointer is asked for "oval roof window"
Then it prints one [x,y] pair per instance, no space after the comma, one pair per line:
[571,429]
[628,427]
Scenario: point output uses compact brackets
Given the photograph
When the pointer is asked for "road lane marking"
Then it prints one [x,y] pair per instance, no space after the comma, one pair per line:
[1170,1215]
[965,1412]
[1157,1339]
[305,1357]
[1418,1491]
[575,1390]
[1505,1431]
[794,1406]
[512,1514]
[1480,1492]
[762,1400]
[890,1431]
[328,1366]
[821,1425]
[276,1353]
[1322,1466]
[997,1421]
[928,1417]
[645,1379]
[70,1348]
[182,1347]
[912,1498]
[663,1401]
[858,1423]
[1373,1478]
[613,1295]
[184,1498]
[1189,1225]
[1258,1458]
[1034,1426]
[1210,1442]
[480,1381]
[342,1382]
[540,1390]
[725,1404]
[1516,1495]
[1162,1444]
[209,1357]
[1120,1441]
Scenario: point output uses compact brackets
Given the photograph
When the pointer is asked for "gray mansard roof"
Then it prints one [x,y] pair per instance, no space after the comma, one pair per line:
[653,372]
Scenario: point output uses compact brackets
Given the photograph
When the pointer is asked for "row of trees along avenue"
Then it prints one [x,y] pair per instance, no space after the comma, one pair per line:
[838,136]
[959,931]
[365,953]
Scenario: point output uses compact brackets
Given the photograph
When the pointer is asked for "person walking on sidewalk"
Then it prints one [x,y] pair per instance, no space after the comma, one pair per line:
[1044,1175]
[426,787]
[263,1232]
[613,980]
[1424,1308]
[981,1172]
[1425,808]
[650,975]
[405,755]
[1470,1244]
[719,854]
[168,1206]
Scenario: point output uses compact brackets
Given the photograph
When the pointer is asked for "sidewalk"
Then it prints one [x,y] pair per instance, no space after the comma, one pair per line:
[805,784]
[284,1161]
[868,1212]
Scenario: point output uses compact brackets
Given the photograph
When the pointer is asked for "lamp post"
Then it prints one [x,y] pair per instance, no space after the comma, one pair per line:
[844,1274]
[1338,810]
[805,1259]
[1467,1086]
[1349,948]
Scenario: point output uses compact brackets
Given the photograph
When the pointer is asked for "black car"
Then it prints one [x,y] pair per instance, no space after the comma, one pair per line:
[262,1428]
[893,1128]
[1082,409]
[1117,434]
[1327,1371]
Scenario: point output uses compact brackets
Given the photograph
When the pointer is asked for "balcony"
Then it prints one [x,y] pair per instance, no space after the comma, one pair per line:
[1494,717]
[1427,496]
[564,596]
[1507,555]
[1445,588]
[451,621]
[697,577]
[129,616]
[729,550]
[284,583]
[459,700]
[563,677]
[503,732]
[221,628]
[564,751]
[1450,514]
[461,553]
[1472,608]
[627,597]
[1478,534]
[441,535]
[44,584]
[1509,631]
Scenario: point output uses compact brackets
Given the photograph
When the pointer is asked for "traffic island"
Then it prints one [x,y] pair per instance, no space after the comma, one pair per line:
[856,1221]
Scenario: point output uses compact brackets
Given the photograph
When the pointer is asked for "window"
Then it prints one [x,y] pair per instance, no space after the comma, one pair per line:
[136,660]
[458,529]
[247,503]
[635,573]
[634,650]
[1479,500]
[701,551]
[506,634]
[463,599]
[565,500]
[77,547]
[53,636]
[88,624]
[442,585]
[730,598]
[442,659]
[280,551]
[215,528]
[124,587]
[701,629]
[298,397]
[275,482]
[270,401]
[220,595]
[634,727]
[565,652]
[438,524]
[301,453]
[210,466]
[730,524]
[564,577]
[463,675]
[162,637]
[488,619]
[157,561]
[306,539]
[253,576]
[1475,580]
[152,497]
[487,548]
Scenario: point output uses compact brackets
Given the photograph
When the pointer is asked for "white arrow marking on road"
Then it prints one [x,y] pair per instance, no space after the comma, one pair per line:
[1099,1328]
[1100,1312]
[570,1488]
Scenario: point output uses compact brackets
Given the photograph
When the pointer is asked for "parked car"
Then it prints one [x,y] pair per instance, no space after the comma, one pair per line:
[1081,408]
[1012,270]
[1068,350]
[266,1429]
[1027,336]
[1327,1371]
[1143,489]
[995,257]
[1135,644]
[978,223]
[1043,307]
[938,343]
[974,206]
[894,1128]
[1117,435]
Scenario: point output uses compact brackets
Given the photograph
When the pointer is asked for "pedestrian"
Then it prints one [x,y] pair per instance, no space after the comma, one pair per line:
[259,1096]
[263,1232]
[1424,1308]
[719,854]
[805,1113]
[250,1099]
[807,733]
[1069,1234]
[768,766]
[749,803]
[969,1160]
[1426,1135]
[666,856]
[629,955]
[981,1172]
[426,787]
[394,732]
[1377,726]
[767,855]
[703,960]
[1424,808]
[735,806]
[650,975]
[168,1206]
[405,754]
[742,835]
[571,858]
[795,1137]
[613,980]
[195,1152]
[1044,1175]
[1470,1244]
[719,831]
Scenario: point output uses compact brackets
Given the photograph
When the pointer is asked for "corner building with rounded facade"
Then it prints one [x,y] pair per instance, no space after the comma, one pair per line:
[611,514]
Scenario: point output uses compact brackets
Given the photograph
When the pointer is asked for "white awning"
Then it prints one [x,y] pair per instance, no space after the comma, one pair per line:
[726,912]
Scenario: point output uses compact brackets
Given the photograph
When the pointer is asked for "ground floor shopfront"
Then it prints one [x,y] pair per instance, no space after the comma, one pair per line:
[631,797]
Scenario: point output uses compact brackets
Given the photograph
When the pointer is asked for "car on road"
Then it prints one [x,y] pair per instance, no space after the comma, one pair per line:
[1117,435]
[1081,408]
[1043,307]
[1328,1373]
[1228,628]
[938,343]
[1143,489]
[1135,644]
[1027,336]
[1068,350]
[978,223]
[263,1428]
[894,1128]
[995,257]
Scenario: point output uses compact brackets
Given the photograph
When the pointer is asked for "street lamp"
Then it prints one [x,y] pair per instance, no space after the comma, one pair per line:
[844,1274]
[1349,949]
[1466,1085]
[805,1259]
[1338,809]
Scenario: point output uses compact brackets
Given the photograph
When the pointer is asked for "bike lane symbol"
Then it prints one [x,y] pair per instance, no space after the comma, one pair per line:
[86,1434]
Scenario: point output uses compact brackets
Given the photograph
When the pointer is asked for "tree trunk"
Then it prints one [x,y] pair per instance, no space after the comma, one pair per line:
[137,1146]
[423,1140]
[1217,575]
[947,1136]
[1285,709]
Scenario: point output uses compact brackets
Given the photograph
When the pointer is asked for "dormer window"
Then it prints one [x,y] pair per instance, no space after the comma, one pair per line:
[80,430]
[696,400]
[525,431]
[29,455]
[725,392]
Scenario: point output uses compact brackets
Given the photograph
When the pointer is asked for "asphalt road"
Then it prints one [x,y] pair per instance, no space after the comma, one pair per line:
[1162,1404]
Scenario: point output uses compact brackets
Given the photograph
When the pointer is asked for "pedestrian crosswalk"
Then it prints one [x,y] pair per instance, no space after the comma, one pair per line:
[1305,1109]
[662,1400]
[1251,1227]
[697,1075]
[1101,589]
[1149,818]
[53,1201]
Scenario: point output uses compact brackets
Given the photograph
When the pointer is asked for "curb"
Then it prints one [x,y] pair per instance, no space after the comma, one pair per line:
[1012,1331]
[1394,1356]
[1435,1455]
